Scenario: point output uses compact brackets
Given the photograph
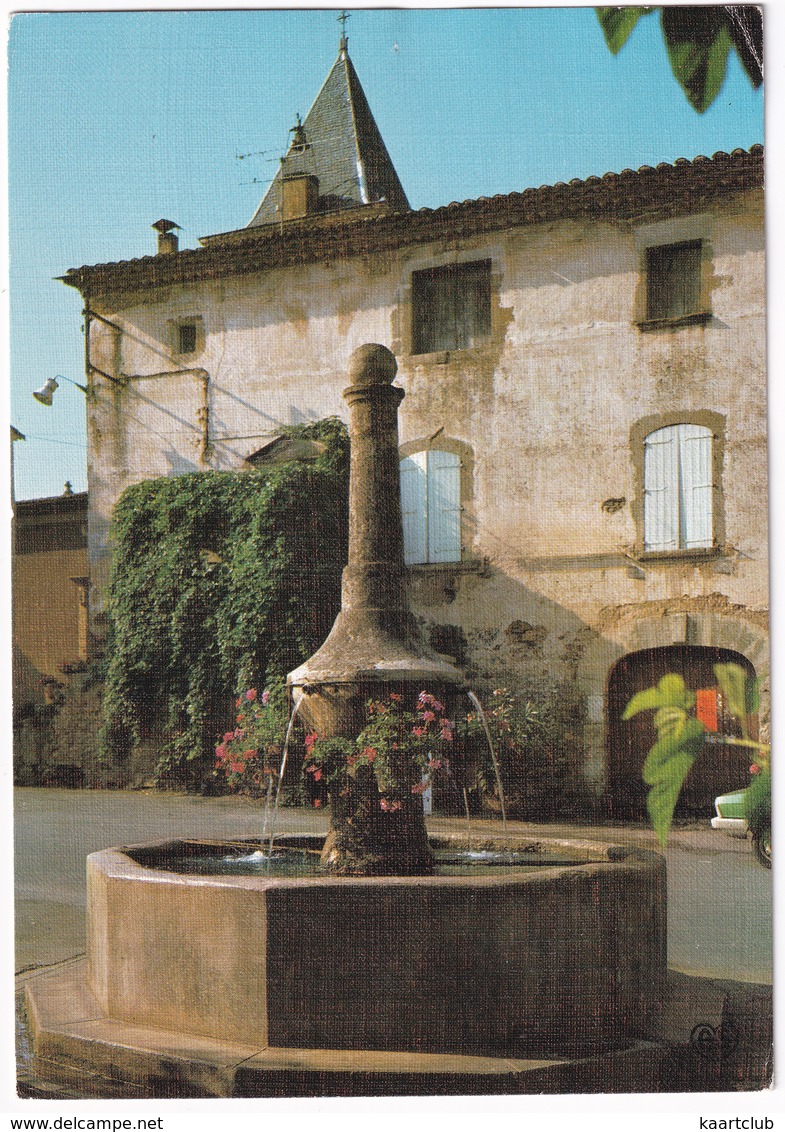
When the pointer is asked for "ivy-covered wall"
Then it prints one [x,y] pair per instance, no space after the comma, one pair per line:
[219,581]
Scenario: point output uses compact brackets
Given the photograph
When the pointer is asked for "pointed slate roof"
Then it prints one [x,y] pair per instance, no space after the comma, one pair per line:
[343,149]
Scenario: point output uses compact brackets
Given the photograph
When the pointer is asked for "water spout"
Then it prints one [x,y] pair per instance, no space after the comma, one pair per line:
[270,820]
[494,760]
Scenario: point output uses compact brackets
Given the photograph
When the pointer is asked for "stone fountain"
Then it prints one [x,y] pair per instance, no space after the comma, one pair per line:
[344,983]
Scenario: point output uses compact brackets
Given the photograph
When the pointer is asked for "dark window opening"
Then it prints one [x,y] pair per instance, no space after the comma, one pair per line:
[451,307]
[186,338]
[673,280]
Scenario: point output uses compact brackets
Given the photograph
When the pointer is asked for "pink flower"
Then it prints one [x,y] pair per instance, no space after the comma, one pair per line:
[369,753]
[755,768]
[220,751]
[228,736]
[434,764]
[317,777]
[265,697]
[420,787]
[390,807]
[250,694]
[310,739]
[428,716]
[419,731]
[248,755]
[237,768]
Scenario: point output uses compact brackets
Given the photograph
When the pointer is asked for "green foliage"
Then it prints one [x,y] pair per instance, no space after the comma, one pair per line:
[218,579]
[681,736]
[531,742]
[617,24]
[698,40]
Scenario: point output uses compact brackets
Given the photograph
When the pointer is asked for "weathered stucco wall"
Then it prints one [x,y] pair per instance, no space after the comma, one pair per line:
[549,416]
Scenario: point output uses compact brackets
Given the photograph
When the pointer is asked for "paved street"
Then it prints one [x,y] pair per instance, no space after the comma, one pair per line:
[719,898]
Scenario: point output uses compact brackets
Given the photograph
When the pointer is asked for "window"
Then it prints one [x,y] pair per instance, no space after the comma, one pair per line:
[431,506]
[186,335]
[673,281]
[186,338]
[451,307]
[678,488]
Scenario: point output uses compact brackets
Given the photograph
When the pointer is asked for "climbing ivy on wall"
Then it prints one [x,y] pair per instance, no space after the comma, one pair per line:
[219,581]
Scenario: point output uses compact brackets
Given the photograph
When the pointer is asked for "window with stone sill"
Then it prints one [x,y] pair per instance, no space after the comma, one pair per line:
[678,497]
[451,307]
[431,507]
[674,289]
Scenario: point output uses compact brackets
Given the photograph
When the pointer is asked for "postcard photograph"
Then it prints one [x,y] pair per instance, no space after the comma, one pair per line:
[391,703]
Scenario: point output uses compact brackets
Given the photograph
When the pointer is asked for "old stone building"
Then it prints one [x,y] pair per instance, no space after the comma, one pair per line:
[584,428]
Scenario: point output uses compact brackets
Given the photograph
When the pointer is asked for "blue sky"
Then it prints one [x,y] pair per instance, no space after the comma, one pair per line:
[118,118]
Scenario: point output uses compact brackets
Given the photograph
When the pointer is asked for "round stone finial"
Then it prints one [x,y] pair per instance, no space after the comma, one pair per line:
[372,364]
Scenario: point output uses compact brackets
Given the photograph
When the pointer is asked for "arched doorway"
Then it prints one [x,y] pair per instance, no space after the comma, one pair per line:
[719,768]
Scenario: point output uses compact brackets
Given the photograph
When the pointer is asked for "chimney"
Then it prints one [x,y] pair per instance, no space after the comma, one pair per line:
[167,237]
[299,196]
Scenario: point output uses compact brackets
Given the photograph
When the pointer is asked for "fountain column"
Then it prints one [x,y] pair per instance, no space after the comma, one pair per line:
[374,646]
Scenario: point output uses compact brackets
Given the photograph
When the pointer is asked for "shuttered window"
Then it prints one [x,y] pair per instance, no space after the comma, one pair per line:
[451,307]
[678,488]
[673,280]
[431,506]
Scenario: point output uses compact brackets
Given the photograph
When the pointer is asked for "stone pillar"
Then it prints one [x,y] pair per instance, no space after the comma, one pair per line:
[373,578]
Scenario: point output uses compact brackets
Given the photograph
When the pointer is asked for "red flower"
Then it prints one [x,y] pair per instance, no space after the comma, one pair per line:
[435,764]
[419,731]
[237,768]
[420,787]
[428,716]
[755,768]
[317,803]
[310,739]
[369,753]
[228,736]
[396,697]
[317,776]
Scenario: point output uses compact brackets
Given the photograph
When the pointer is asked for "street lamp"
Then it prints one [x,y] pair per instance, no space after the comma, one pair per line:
[47,391]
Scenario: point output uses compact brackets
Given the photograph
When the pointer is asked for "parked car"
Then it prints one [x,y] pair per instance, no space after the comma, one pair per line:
[732,810]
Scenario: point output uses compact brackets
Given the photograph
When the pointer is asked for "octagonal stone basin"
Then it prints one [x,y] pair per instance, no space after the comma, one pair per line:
[550,958]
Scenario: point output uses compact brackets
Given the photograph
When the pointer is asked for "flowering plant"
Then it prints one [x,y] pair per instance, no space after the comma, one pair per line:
[531,753]
[402,746]
[249,756]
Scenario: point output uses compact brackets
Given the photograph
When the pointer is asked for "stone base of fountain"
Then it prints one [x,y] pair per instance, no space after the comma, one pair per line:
[544,979]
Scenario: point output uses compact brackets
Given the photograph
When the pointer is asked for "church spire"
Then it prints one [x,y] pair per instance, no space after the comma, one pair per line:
[337,156]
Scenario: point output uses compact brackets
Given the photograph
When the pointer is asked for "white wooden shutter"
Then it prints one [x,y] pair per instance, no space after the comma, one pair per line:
[661,490]
[444,506]
[696,527]
[414,488]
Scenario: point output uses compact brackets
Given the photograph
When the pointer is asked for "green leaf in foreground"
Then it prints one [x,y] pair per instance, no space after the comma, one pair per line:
[617,24]
[666,766]
[738,689]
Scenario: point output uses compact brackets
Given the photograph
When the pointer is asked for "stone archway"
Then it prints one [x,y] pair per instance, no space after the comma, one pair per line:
[719,768]
[710,622]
